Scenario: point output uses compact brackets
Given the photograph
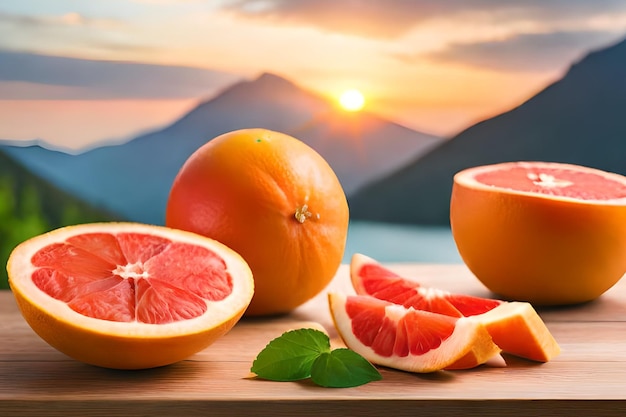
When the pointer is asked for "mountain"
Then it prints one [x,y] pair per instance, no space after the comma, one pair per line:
[578,119]
[30,206]
[133,179]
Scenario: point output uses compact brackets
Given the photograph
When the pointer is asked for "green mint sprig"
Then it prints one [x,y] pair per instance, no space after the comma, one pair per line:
[306,353]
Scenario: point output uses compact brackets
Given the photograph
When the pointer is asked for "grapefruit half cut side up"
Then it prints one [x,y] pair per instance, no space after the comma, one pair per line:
[514,326]
[126,295]
[411,340]
[546,233]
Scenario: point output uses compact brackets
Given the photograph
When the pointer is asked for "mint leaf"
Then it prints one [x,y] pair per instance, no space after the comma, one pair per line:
[306,353]
[290,357]
[343,368]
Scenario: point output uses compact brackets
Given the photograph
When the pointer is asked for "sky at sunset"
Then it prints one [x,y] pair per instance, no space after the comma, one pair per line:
[434,66]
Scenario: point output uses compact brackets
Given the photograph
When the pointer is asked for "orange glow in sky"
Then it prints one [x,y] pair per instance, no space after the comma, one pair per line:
[437,67]
[80,123]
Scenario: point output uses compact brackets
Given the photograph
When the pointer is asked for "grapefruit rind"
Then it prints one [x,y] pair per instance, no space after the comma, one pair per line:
[514,326]
[469,340]
[472,359]
[518,330]
[125,345]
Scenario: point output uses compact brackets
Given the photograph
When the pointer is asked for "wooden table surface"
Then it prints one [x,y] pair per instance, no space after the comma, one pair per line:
[588,378]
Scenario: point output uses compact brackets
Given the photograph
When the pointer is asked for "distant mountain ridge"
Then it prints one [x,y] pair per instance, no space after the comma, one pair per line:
[579,119]
[133,179]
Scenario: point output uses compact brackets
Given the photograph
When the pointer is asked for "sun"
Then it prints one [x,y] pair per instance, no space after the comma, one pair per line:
[352,100]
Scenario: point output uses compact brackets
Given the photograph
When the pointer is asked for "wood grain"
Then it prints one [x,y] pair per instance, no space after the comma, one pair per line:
[588,378]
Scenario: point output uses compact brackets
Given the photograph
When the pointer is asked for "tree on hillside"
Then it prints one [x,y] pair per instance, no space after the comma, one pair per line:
[29,206]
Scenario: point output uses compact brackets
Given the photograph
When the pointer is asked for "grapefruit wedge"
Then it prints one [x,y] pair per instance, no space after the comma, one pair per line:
[407,339]
[514,326]
[126,295]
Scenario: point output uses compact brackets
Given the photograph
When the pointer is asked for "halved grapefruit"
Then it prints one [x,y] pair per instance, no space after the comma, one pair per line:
[411,340]
[514,326]
[126,295]
[547,233]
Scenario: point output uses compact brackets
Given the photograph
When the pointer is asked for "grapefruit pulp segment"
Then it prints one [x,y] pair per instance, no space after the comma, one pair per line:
[514,326]
[391,335]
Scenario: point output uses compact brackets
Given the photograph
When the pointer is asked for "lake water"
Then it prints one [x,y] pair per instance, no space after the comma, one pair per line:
[401,243]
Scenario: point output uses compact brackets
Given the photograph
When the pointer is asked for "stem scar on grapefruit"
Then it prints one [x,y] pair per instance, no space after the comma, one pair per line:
[547,233]
[514,326]
[127,295]
[275,201]
[407,339]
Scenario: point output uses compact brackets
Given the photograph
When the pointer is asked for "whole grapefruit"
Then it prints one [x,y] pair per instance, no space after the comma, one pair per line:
[547,233]
[275,201]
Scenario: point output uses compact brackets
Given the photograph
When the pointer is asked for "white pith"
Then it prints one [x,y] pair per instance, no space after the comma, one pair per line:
[21,269]
[430,293]
[547,181]
[468,176]
[131,271]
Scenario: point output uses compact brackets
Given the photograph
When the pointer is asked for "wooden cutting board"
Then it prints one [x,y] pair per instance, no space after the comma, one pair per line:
[588,378]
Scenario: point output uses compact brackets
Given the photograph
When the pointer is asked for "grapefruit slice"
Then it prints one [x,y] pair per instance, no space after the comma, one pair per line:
[546,233]
[126,295]
[407,339]
[514,326]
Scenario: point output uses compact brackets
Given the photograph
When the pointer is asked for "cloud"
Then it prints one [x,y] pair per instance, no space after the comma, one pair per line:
[19,20]
[365,18]
[394,18]
[66,78]
[166,2]
[67,19]
[522,52]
